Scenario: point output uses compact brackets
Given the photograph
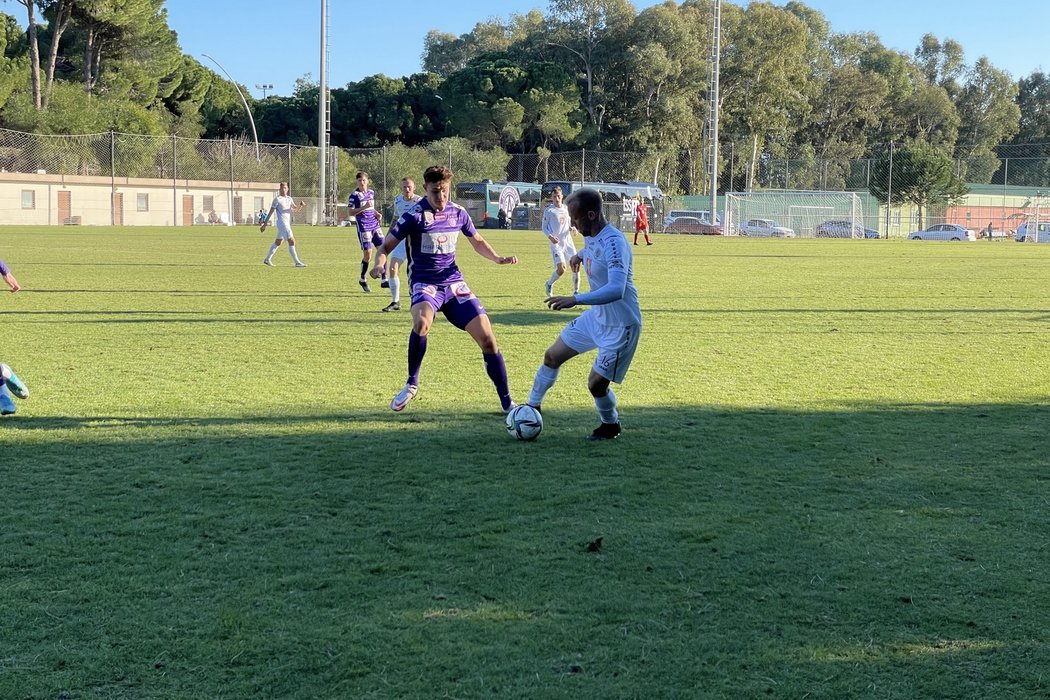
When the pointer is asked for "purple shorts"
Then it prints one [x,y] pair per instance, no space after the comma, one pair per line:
[370,239]
[455,300]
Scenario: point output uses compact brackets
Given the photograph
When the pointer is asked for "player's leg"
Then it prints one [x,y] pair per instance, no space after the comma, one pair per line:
[423,309]
[569,252]
[268,260]
[293,253]
[558,261]
[647,240]
[7,404]
[377,241]
[616,348]
[394,278]
[555,356]
[9,379]
[366,258]
[480,330]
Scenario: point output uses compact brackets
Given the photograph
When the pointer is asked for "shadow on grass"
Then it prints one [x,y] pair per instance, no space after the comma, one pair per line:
[749,553]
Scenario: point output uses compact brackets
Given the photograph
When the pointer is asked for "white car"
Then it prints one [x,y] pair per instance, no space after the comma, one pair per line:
[944,232]
[765,228]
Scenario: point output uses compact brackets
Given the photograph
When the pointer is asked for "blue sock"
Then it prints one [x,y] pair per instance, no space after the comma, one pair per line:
[417,348]
[497,371]
[7,404]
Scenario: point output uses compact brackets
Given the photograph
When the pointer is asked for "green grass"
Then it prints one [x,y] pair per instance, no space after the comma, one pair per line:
[831,483]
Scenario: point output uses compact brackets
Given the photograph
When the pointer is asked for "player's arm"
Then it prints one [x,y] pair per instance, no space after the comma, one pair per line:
[9,278]
[269,217]
[485,250]
[550,220]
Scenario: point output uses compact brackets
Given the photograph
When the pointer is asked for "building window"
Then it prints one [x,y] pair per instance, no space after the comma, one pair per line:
[142,202]
[259,202]
[29,199]
[209,203]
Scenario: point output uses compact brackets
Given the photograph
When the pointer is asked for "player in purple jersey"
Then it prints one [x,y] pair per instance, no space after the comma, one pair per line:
[9,381]
[361,206]
[431,231]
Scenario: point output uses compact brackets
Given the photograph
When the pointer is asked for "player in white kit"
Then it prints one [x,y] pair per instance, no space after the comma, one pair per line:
[404,202]
[612,325]
[558,230]
[284,206]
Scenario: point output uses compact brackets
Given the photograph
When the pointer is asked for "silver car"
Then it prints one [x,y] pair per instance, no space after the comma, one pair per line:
[765,228]
[944,232]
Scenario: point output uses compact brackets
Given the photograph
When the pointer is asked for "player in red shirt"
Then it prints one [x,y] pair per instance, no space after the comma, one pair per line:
[641,222]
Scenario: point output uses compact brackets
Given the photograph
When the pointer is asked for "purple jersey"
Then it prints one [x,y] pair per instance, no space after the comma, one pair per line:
[431,241]
[366,220]
[3,269]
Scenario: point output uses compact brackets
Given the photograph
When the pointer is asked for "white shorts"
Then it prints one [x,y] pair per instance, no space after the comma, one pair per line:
[562,251]
[398,253]
[616,344]
[284,233]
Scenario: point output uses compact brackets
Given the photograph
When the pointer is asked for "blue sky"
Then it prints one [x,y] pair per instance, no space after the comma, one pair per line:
[271,42]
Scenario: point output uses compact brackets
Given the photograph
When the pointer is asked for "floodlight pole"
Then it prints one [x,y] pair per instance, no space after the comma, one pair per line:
[716,51]
[322,114]
[244,102]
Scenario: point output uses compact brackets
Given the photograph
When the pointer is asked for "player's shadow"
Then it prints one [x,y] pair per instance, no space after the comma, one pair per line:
[540,317]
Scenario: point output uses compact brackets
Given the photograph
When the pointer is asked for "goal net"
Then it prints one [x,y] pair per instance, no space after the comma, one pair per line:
[807,213]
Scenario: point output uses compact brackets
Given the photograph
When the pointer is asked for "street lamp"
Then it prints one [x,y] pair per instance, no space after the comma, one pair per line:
[247,109]
[264,87]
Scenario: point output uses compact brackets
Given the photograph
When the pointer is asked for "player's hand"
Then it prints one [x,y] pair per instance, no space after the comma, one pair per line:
[559,303]
[510,260]
[375,272]
[575,262]
[553,240]
[262,227]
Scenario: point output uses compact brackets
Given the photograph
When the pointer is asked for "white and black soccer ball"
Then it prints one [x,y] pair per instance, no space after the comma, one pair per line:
[524,422]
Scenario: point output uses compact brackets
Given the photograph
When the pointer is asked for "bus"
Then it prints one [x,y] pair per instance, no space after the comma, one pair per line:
[620,199]
[484,200]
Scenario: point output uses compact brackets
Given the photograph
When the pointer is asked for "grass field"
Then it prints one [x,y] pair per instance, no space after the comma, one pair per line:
[832,480]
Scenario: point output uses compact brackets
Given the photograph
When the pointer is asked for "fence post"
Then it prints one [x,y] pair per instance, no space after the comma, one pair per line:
[112,178]
[583,166]
[288,146]
[229,209]
[174,180]
[889,191]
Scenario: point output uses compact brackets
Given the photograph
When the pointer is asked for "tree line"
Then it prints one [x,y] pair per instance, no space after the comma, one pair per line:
[585,74]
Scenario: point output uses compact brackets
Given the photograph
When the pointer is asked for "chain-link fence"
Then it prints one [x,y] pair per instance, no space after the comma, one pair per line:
[1000,180]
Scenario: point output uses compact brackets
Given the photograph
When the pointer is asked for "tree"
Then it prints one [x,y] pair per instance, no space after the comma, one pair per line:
[989,115]
[592,34]
[922,175]
[763,69]
[34,50]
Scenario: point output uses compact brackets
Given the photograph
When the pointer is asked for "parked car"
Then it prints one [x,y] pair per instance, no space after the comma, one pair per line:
[844,229]
[765,228]
[701,214]
[693,224]
[944,232]
[1043,235]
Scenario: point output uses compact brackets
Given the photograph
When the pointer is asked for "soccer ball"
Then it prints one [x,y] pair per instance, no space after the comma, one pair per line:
[524,422]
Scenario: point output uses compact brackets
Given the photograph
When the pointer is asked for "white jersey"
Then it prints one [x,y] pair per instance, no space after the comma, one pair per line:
[402,206]
[609,252]
[556,223]
[283,210]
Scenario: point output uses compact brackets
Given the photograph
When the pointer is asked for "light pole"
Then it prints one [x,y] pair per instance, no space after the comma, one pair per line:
[247,109]
[264,87]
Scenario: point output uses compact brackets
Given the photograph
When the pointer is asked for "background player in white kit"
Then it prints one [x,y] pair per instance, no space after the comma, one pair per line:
[403,202]
[613,324]
[558,230]
[285,206]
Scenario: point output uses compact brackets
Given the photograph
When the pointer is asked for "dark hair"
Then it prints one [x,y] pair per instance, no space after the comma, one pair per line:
[360,173]
[588,199]
[437,173]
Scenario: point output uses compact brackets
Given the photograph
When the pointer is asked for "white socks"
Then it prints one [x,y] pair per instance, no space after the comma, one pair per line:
[606,406]
[295,256]
[273,249]
[545,378]
[576,283]
[395,288]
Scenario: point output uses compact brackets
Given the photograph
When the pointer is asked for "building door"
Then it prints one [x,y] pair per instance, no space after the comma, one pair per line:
[65,206]
[238,210]
[187,210]
[118,208]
